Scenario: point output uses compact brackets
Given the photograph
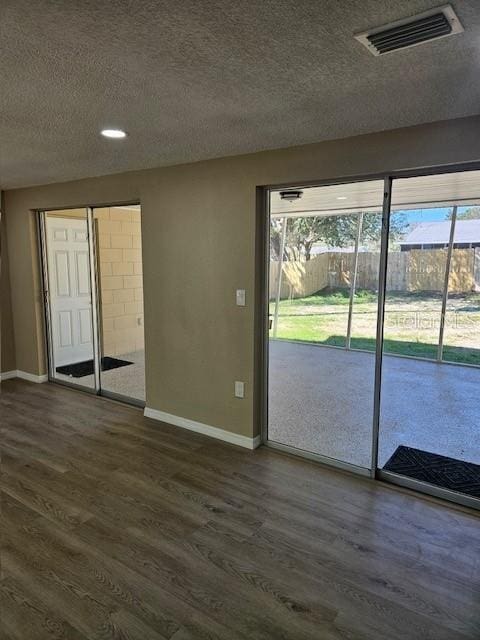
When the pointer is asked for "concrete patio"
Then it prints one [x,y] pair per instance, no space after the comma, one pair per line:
[321,400]
[128,381]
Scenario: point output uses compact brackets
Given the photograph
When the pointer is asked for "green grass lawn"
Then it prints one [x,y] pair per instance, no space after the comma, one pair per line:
[411,322]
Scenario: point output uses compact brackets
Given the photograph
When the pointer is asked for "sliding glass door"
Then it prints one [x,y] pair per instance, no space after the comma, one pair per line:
[323,300]
[430,394]
[374,329]
[69,297]
[120,287]
[92,265]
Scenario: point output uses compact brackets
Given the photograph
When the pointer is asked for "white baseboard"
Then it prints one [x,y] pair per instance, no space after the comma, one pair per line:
[205,429]
[7,375]
[31,377]
[24,375]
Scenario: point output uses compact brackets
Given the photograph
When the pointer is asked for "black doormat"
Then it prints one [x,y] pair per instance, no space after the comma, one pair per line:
[441,471]
[80,369]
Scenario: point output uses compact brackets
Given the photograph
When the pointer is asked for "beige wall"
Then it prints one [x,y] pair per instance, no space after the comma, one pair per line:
[7,342]
[200,241]
[121,282]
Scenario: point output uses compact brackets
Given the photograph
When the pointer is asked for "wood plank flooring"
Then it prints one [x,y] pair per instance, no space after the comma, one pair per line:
[115,526]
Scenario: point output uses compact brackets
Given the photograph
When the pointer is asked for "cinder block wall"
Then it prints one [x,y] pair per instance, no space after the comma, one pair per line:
[121,284]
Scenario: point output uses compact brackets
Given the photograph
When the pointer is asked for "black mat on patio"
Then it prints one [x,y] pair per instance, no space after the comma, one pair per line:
[81,369]
[441,471]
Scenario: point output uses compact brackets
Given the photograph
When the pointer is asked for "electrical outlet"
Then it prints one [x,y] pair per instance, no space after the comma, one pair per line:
[240,297]
[239,389]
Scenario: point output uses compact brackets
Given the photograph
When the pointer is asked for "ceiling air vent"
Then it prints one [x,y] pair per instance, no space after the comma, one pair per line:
[430,25]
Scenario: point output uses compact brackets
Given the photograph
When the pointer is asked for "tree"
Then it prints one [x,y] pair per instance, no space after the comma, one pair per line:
[334,231]
[472,213]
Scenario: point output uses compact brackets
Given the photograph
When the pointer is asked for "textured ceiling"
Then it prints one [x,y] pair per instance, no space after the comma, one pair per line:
[195,79]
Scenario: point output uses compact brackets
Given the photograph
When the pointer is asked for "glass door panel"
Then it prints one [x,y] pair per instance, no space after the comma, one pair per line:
[120,281]
[415,281]
[70,311]
[323,288]
[461,340]
[365,299]
[429,431]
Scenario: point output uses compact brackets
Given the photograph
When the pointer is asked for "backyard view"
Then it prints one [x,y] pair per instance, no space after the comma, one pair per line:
[325,395]
[411,322]
[329,272]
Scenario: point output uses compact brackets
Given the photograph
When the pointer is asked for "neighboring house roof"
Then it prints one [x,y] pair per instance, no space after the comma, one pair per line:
[466,231]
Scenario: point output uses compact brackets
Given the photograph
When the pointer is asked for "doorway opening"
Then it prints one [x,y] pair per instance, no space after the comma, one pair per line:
[93,285]
[373,334]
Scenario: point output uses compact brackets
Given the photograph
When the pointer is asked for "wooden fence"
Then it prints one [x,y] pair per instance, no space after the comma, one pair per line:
[418,270]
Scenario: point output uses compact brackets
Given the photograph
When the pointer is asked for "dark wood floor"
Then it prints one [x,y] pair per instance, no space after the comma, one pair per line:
[115,526]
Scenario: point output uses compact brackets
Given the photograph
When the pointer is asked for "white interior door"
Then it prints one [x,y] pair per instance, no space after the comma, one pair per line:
[69,289]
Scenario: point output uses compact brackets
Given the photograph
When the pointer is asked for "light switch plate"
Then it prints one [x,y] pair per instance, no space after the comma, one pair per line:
[239,389]
[240,297]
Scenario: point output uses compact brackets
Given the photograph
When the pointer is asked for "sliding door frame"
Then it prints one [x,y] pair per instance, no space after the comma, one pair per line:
[382,291]
[374,472]
[42,214]
[42,244]
[95,298]
[309,455]
[94,286]
[106,393]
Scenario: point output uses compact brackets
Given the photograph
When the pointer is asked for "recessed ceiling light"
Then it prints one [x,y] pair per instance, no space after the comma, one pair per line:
[113,133]
[341,197]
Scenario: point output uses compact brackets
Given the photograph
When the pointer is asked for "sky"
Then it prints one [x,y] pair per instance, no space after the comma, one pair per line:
[426,215]
[414,216]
